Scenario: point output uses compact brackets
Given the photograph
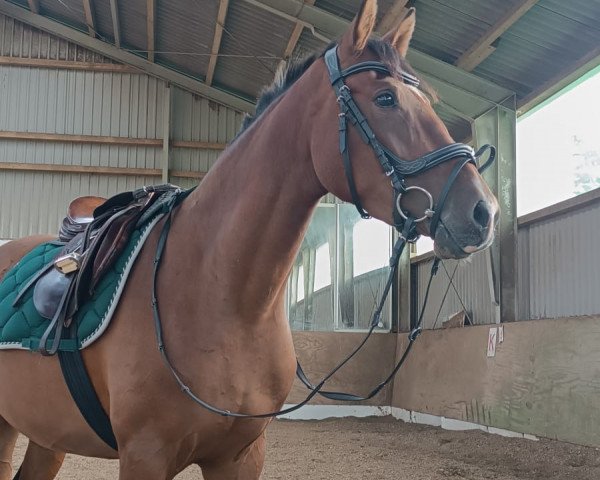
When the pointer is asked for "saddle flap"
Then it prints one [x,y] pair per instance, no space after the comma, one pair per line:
[115,239]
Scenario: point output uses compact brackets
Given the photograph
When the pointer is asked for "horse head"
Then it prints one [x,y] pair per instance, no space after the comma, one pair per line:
[377,142]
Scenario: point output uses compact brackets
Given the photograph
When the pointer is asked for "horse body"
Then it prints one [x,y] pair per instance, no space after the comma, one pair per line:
[228,253]
[220,293]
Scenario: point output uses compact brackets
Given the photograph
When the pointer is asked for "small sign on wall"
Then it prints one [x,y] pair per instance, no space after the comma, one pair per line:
[492,340]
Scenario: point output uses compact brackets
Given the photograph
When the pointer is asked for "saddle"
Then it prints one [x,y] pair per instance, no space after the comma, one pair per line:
[79,214]
[94,232]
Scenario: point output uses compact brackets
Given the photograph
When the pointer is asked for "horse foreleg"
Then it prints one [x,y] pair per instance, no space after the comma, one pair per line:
[8,438]
[247,465]
[40,463]
[146,461]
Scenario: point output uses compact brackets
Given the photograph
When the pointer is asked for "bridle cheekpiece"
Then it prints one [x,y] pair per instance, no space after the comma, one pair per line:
[394,167]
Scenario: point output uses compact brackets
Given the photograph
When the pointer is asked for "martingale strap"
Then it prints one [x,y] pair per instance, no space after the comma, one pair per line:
[314,390]
[395,168]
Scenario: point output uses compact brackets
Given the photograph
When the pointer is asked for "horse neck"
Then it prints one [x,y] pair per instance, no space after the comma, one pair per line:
[247,219]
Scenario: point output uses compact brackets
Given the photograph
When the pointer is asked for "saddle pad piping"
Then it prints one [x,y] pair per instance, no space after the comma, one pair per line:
[114,302]
[122,281]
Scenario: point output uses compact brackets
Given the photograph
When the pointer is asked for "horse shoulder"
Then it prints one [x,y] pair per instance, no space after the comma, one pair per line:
[13,251]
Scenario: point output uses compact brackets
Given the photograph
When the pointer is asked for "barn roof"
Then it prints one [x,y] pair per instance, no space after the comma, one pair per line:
[477,54]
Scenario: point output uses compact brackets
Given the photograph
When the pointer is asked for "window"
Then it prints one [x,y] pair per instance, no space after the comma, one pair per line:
[340,271]
[558,147]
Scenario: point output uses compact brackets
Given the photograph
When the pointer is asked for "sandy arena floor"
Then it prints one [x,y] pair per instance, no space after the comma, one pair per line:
[383,448]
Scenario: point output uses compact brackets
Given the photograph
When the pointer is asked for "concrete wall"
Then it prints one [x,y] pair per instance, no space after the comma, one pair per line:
[557,274]
[544,379]
[319,352]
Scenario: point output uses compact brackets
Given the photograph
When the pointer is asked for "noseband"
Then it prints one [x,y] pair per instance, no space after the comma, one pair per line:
[393,166]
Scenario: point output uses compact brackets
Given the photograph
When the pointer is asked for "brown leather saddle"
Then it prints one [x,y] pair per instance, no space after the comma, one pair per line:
[79,214]
[95,232]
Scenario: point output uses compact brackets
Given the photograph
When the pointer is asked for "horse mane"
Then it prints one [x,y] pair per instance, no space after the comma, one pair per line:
[286,77]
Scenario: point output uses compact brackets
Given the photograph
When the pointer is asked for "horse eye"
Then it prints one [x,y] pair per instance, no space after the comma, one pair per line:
[386,99]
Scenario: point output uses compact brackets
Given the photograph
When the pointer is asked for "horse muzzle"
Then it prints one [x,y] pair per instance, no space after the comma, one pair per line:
[459,239]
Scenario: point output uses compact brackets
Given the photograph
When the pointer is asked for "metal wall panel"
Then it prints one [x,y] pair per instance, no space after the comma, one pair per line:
[62,101]
[80,103]
[472,280]
[558,273]
[36,202]
[562,257]
[198,119]
[21,40]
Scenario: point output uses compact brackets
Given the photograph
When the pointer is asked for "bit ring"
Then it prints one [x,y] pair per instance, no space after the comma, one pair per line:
[428,211]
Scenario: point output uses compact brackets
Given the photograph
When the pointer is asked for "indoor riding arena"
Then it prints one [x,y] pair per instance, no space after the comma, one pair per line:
[496,356]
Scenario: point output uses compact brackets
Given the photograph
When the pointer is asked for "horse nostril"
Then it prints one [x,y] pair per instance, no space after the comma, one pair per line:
[481,214]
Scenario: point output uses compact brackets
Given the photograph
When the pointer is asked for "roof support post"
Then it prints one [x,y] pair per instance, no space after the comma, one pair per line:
[88,10]
[216,46]
[498,127]
[294,37]
[34,5]
[150,17]
[114,13]
[402,291]
[166,134]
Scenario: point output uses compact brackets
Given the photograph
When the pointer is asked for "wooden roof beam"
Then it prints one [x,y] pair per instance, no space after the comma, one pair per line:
[393,15]
[34,5]
[114,13]
[483,47]
[150,25]
[294,37]
[108,50]
[562,79]
[89,17]
[216,46]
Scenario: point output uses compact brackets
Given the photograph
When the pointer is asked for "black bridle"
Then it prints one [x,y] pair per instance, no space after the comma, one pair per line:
[395,168]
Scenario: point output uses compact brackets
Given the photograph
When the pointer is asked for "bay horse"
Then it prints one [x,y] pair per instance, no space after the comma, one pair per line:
[222,281]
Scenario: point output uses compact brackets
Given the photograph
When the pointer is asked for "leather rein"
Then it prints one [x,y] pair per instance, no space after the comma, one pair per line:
[395,168]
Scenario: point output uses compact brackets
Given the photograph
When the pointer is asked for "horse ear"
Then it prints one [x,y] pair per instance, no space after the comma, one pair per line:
[400,35]
[356,37]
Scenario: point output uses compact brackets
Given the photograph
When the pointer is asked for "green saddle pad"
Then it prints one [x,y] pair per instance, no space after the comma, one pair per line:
[21,327]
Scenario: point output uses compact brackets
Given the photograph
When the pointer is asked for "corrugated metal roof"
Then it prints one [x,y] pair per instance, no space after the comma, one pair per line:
[348,8]
[251,48]
[132,15]
[66,11]
[546,44]
[103,19]
[308,44]
[539,45]
[185,27]
[447,28]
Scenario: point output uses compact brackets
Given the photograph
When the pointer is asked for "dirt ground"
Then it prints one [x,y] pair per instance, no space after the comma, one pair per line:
[384,448]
